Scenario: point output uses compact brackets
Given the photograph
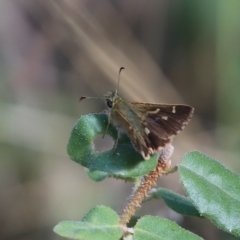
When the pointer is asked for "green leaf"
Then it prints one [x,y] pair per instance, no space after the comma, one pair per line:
[124,162]
[100,223]
[177,202]
[154,228]
[214,190]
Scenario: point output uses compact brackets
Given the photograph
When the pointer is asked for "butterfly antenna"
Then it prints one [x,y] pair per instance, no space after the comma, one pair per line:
[83,97]
[121,68]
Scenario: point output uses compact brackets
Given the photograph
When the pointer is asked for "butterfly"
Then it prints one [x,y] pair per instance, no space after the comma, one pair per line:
[150,126]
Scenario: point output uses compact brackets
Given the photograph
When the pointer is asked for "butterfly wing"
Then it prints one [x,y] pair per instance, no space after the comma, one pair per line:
[164,119]
[152,126]
[161,122]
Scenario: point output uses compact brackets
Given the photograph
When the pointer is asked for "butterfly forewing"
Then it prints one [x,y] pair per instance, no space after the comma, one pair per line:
[159,124]
[167,120]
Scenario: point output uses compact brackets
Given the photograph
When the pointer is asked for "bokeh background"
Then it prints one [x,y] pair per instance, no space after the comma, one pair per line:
[53,52]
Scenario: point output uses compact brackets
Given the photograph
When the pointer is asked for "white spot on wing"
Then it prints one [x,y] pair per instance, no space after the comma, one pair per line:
[146,157]
[147,131]
[150,150]
[155,111]
[165,118]
[174,109]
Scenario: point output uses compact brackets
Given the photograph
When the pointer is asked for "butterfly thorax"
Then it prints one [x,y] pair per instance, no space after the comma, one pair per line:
[122,114]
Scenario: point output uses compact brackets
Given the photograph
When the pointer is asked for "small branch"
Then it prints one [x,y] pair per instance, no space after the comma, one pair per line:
[146,185]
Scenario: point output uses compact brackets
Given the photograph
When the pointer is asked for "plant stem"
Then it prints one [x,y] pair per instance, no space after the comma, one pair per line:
[146,185]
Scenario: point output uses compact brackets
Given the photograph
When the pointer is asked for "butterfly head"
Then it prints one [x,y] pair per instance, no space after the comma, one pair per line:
[111,98]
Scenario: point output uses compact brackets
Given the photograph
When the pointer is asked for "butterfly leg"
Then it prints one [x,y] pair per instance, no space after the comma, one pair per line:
[116,142]
[108,115]
[118,136]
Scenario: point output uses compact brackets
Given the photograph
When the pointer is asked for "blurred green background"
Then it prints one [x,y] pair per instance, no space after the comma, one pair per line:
[53,52]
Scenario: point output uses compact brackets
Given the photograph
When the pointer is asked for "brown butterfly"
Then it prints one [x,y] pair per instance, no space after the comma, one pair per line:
[151,127]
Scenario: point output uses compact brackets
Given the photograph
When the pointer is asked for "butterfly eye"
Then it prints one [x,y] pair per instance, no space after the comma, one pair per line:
[109,103]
